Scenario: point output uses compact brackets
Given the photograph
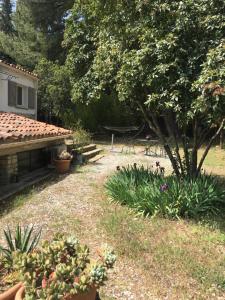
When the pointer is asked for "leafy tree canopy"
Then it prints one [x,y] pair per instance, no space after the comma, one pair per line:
[54,89]
[164,57]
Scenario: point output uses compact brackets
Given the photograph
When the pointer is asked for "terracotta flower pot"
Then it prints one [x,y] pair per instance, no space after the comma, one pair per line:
[62,165]
[91,295]
[11,293]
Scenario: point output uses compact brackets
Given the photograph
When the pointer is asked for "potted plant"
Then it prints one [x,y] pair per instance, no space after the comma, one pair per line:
[10,294]
[61,269]
[63,161]
[24,240]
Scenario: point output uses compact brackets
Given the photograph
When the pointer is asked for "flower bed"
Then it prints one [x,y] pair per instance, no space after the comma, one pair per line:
[149,192]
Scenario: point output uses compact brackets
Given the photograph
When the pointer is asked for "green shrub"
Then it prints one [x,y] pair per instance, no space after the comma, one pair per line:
[81,136]
[151,194]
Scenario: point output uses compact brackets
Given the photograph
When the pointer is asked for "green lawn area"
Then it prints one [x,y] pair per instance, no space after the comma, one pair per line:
[215,161]
[158,258]
[183,256]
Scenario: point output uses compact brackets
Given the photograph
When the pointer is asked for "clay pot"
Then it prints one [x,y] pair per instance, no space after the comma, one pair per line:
[11,293]
[62,165]
[91,295]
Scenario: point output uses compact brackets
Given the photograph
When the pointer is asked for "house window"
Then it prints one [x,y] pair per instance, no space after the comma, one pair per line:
[19,98]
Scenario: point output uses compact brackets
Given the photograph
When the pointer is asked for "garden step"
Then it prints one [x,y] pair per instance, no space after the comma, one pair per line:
[86,148]
[96,158]
[88,155]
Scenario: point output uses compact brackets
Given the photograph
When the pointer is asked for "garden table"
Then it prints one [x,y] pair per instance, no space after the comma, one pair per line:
[154,148]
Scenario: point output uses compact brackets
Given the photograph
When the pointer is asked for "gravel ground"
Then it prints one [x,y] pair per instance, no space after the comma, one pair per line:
[73,204]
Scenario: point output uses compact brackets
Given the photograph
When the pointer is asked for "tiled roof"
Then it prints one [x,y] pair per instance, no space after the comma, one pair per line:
[18,67]
[16,128]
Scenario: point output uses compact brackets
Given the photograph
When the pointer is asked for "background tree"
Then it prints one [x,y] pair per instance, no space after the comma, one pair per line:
[54,90]
[38,31]
[36,39]
[27,45]
[49,18]
[153,54]
[5,16]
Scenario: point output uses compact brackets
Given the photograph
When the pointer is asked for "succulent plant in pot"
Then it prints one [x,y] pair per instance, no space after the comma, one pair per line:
[62,162]
[23,239]
[61,269]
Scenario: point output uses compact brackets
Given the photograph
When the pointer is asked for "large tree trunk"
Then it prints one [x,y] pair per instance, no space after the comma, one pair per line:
[194,156]
[189,166]
[173,133]
[154,126]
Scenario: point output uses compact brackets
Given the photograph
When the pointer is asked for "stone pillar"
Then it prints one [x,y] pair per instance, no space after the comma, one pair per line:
[8,169]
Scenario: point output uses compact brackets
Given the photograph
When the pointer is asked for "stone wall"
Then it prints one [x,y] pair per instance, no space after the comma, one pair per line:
[10,164]
[8,169]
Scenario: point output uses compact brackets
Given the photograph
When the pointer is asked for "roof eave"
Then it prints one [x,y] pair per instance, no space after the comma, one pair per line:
[16,147]
[27,73]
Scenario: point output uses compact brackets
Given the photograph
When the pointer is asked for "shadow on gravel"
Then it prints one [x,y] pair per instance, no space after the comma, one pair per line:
[18,199]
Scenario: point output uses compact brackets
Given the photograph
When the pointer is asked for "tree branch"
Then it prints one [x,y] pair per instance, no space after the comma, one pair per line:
[166,145]
[209,146]
[172,132]
[153,124]
[194,155]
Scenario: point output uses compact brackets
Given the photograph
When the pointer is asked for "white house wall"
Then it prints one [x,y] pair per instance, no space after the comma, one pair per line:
[19,78]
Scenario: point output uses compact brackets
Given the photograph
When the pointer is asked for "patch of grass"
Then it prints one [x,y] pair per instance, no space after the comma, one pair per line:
[186,257]
[126,231]
[65,223]
[14,202]
[215,157]
[190,262]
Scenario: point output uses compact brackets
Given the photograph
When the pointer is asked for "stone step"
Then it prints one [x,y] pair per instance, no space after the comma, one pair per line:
[88,155]
[86,148]
[96,158]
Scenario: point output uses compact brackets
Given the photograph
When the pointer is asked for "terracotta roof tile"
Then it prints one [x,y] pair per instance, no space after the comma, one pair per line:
[15,128]
[18,67]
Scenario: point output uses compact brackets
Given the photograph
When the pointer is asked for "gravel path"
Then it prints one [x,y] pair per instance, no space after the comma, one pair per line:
[73,204]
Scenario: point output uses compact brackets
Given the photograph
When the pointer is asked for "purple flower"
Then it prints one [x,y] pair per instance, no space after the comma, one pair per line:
[164,187]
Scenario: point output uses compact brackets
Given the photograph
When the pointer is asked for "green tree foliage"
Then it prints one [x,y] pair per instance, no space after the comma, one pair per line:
[36,43]
[5,16]
[26,46]
[54,89]
[157,56]
[49,18]
[38,31]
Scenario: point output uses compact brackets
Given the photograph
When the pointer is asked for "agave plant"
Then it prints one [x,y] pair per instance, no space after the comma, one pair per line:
[24,241]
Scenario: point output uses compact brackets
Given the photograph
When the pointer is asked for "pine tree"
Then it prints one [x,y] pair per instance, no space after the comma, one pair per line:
[5,16]
[25,44]
[38,31]
[49,17]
